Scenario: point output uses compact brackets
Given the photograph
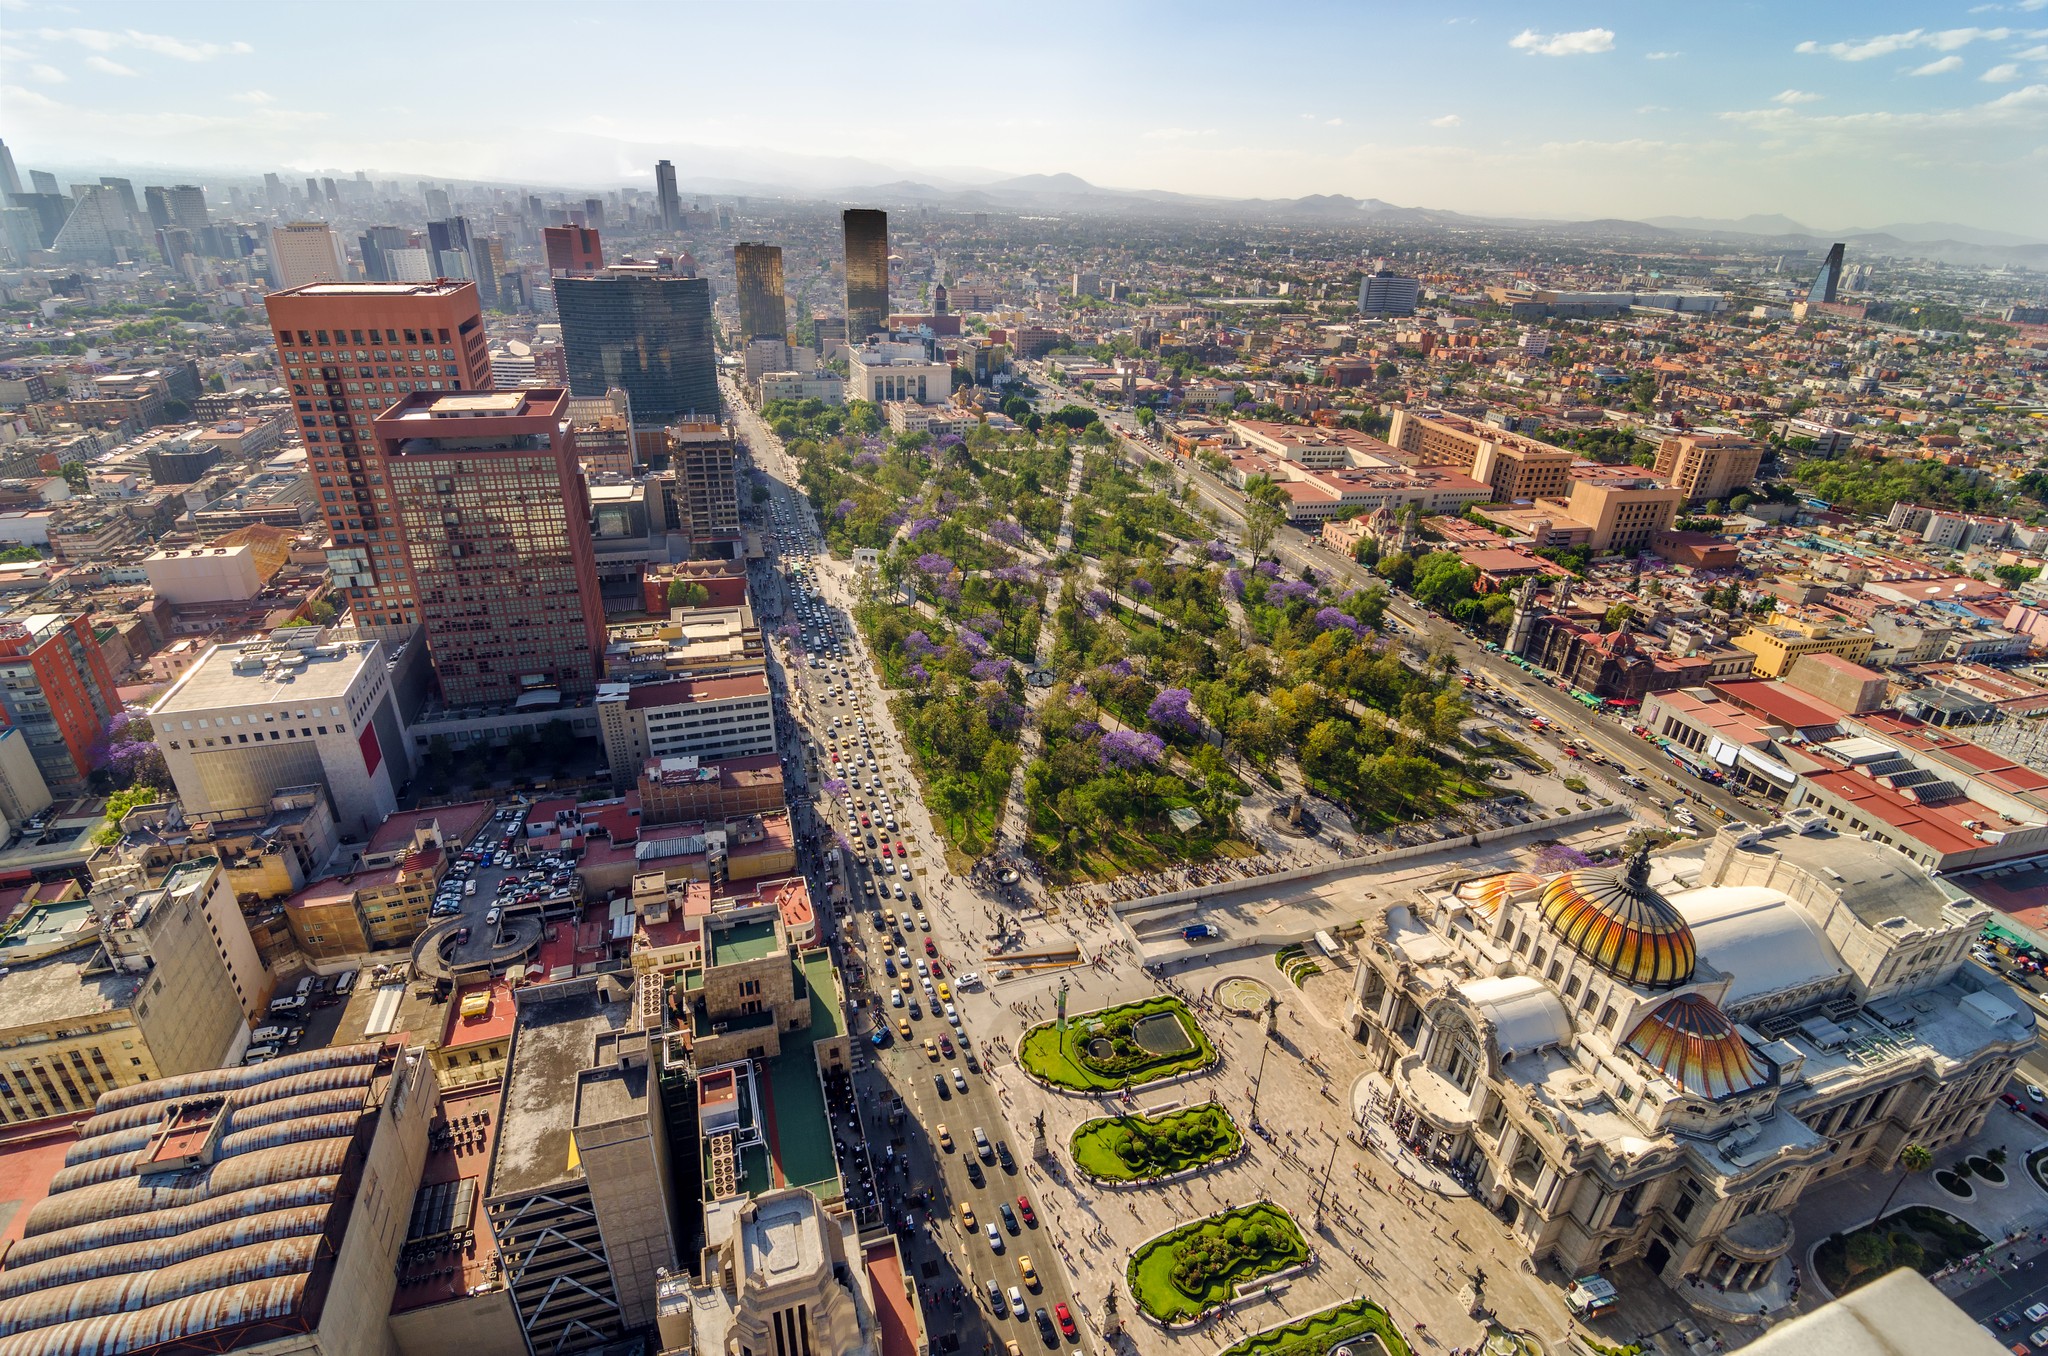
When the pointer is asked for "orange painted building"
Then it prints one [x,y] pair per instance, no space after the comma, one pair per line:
[56,686]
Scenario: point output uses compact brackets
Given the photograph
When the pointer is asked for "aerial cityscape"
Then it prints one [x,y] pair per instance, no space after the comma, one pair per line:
[1165,714]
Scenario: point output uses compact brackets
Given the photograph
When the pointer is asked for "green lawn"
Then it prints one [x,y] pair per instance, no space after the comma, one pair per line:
[1064,1062]
[1134,1148]
[1223,1251]
[1320,1332]
[1918,1236]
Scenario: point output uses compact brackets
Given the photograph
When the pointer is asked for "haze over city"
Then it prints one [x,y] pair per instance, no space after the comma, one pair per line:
[1131,679]
[1836,115]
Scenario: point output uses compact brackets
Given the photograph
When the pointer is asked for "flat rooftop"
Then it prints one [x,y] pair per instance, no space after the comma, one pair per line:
[553,1042]
[42,925]
[476,1110]
[60,987]
[433,289]
[227,677]
[1875,881]
[742,942]
[799,1127]
[828,1019]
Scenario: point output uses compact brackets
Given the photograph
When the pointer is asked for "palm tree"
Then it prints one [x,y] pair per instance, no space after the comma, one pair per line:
[1913,1158]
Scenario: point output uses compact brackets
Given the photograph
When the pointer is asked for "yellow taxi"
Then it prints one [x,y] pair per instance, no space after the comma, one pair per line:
[967,1216]
[945,1139]
[931,1049]
[945,992]
[903,1027]
[1030,1275]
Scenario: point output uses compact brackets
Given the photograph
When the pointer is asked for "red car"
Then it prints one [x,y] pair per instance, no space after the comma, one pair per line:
[946,1048]
[937,969]
[902,851]
[1024,1209]
[1066,1319]
[931,948]
[864,822]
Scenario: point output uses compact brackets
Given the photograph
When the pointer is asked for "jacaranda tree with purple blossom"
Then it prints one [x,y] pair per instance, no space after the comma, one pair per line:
[1128,749]
[1169,711]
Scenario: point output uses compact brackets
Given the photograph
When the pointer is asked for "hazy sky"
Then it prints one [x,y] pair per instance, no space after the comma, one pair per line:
[1836,114]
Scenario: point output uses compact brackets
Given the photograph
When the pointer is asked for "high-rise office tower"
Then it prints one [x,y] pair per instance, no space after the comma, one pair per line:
[450,245]
[43,181]
[377,243]
[665,192]
[312,192]
[330,192]
[157,200]
[646,332]
[96,228]
[572,249]
[437,203]
[303,252]
[386,340]
[759,270]
[593,213]
[274,191]
[487,259]
[124,190]
[867,271]
[188,206]
[1828,281]
[10,179]
[494,521]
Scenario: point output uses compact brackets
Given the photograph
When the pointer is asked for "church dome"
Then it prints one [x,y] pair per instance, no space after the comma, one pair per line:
[1612,917]
[1692,1043]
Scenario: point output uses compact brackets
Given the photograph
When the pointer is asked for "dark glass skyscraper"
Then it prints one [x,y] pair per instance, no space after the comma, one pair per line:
[1828,281]
[646,332]
[867,271]
[759,269]
[665,192]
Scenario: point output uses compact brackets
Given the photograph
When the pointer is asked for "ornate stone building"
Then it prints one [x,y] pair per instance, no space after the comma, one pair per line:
[1654,1060]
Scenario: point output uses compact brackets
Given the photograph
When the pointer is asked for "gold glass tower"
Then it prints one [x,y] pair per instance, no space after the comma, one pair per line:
[867,272]
[759,269]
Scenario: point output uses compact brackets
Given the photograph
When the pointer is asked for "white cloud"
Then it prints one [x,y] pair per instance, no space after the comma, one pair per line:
[1888,44]
[253,96]
[1654,108]
[182,49]
[108,66]
[1662,56]
[1177,133]
[2035,53]
[1447,120]
[1333,122]
[49,75]
[1585,42]
[1938,66]
[2001,75]
[1795,96]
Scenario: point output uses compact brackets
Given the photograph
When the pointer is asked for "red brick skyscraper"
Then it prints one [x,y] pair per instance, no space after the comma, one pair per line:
[349,351]
[495,522]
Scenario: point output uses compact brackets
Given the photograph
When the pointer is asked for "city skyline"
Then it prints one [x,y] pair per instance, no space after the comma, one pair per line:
[1843,117]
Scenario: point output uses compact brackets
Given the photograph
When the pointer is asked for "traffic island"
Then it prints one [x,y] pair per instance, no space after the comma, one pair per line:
[1360,1325]
[1139,1149]
[1188,1271]
[1117,1048]
[1920,1237]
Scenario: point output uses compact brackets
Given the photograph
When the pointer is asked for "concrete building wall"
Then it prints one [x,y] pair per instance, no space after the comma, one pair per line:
[23,792]
[205,574]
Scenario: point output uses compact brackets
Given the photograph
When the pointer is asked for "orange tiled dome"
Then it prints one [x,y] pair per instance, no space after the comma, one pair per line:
[1692,1042]
[1613,918]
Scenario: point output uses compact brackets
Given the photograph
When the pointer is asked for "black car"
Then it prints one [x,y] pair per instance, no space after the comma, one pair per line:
[939,1082]
[1009,1216]
[1046,1329]
[1003,1153]
[974,1173]
[2006,1321]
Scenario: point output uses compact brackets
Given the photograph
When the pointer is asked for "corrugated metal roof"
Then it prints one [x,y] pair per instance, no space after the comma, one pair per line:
[114,1262]
[146,1254]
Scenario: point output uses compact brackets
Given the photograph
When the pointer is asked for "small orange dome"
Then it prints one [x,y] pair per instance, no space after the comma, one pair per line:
[1692,1042]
